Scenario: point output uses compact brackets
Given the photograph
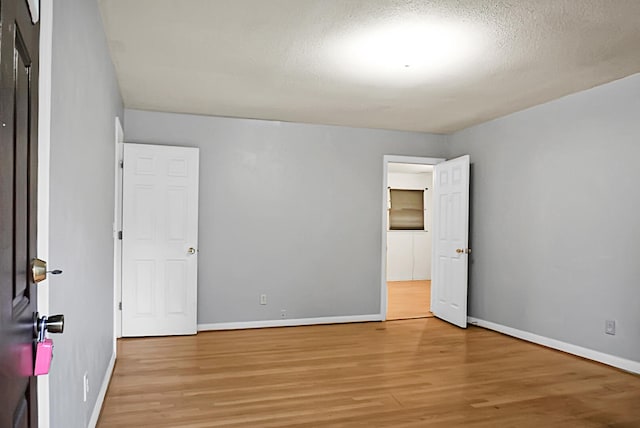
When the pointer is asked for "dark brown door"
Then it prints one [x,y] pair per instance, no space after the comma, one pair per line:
[18,175]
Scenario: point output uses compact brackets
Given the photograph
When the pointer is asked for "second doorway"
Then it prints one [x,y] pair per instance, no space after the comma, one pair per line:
[409,220]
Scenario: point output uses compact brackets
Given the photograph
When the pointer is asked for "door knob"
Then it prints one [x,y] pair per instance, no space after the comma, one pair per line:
[192,250]
[52,324]
[55,324]
[459,250]
[465,250]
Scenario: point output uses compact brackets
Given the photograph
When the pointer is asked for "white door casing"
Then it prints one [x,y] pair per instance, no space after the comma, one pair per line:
[386,160]
[160,240]
[117,227]
[450,240]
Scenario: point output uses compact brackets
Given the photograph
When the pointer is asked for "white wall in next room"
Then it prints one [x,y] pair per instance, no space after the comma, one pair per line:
[409,251]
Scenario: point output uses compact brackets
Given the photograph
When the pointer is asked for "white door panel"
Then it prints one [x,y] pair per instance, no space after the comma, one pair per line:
[160,225]
[450,241]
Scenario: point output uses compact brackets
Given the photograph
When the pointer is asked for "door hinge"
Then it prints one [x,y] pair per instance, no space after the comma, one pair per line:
[121,164]
[119,306]
[120,235]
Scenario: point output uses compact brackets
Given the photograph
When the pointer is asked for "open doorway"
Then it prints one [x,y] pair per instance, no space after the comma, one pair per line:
[407,254]
[409,213]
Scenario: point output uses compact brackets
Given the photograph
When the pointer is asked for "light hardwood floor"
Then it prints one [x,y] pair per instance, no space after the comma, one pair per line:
[411,373]
[408,299]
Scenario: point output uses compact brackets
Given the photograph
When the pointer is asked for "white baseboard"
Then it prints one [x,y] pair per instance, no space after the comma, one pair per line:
[289,322]
[103,391]
[590,354]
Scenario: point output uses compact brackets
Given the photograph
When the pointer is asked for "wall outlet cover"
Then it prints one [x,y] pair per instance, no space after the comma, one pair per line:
[610,327]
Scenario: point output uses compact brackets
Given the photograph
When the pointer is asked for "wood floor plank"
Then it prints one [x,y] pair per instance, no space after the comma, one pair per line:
[411,373]
[408,299]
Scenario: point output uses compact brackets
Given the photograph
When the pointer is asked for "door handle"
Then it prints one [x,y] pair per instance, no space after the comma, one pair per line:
[192,250]
[465,250]
[55,324]
[52,324]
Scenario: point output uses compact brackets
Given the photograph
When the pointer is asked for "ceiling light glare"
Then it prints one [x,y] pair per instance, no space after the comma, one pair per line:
[407,53]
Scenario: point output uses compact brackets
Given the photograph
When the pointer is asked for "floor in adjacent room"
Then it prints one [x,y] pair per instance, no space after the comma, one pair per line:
[408,299]
[410,373]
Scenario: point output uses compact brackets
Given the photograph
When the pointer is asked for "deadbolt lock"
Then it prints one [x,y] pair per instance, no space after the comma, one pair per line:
[38,270]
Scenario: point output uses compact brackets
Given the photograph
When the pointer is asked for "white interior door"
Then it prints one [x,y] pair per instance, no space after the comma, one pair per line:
[160,240]
[450,240]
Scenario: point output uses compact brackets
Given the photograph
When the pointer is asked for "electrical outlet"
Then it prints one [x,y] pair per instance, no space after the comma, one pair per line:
[263,299]
[283,313]
[85,386]
[610,327]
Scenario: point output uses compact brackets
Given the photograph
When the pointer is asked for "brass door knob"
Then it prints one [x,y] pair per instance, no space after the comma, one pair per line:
[192,250]
[459,250]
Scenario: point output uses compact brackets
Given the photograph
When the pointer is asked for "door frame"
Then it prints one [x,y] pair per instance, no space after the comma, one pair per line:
[117,227]
[44,148]
[386,160]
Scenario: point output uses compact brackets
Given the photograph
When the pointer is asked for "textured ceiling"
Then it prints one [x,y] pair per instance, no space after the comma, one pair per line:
[349,62]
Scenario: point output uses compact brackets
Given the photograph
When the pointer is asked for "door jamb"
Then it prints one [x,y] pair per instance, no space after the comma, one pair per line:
[44,149]
[117,227]
[387,159]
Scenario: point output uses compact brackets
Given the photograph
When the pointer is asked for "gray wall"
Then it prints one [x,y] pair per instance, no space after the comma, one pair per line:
[289,210]
[85,100]
[555,229]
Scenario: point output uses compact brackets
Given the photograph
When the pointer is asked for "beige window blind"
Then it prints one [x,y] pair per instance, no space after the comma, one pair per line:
[407,210]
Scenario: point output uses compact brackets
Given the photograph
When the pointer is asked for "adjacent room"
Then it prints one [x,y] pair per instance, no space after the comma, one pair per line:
[409,214]
[319,213]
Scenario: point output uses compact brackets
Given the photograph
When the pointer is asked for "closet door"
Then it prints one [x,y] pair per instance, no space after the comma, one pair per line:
[421,256]
[399,256]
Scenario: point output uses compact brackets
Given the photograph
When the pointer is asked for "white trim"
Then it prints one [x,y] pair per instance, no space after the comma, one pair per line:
[44,148]
[294,322]
[34,10]
[386,160]
[590,354]
[102,393]
[117,226]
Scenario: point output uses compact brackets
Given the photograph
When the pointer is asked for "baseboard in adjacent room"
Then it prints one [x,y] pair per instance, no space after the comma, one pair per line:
[102,393]
[293,322]
[590,354]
